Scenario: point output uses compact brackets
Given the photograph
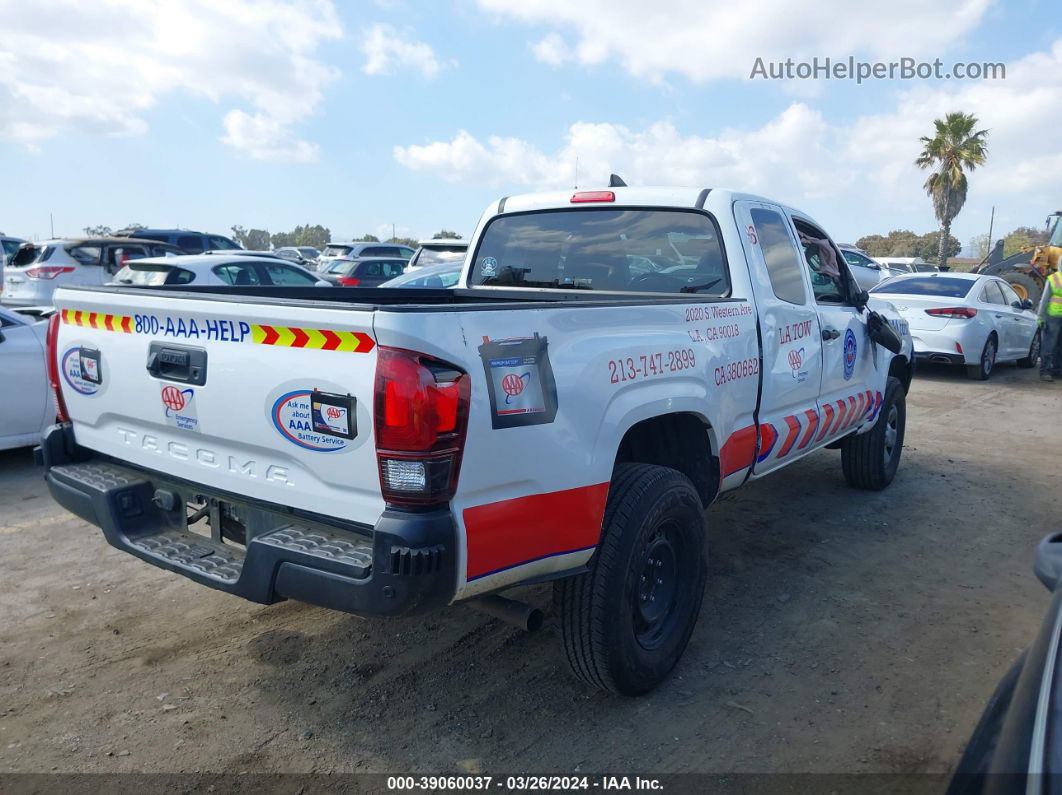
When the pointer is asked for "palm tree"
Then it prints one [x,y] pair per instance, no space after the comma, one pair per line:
[954,147]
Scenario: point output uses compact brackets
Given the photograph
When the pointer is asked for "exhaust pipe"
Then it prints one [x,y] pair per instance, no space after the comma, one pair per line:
[520,614]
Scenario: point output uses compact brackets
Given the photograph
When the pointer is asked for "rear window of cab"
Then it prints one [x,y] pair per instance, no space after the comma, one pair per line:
[604,249]
[931,286]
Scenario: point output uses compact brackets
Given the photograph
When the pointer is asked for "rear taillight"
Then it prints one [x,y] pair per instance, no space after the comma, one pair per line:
[421,414]
[53,367]
[952,311]
[350,281]
[47,271]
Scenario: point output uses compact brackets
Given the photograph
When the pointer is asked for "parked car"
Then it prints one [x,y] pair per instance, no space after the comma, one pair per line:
[965,319]
[188,240]
[445,275]
[1015,746]
[235,269]
[432,252]
[303,255]
[26,403]
[36,270]
[865,270]
[907,264]
[562,419]
[352,251]
[8,247]
[363,272]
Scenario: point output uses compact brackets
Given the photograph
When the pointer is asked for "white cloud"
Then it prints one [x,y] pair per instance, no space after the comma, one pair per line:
[263,137]
[708,40]
[552,49]
[387,49]
[822,164]
[100,67]
[659,154]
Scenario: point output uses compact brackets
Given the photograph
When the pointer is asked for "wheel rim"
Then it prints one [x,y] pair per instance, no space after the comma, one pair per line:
[892,432]
[655,598]
[988,358]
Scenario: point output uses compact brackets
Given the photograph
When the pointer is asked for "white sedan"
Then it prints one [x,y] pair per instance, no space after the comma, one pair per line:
[241,270]
[26,407]
[965,318]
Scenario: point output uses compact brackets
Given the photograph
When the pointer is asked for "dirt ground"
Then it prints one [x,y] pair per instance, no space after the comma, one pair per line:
[841,632]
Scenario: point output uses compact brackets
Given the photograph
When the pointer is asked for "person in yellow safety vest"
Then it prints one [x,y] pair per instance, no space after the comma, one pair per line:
[1050,313]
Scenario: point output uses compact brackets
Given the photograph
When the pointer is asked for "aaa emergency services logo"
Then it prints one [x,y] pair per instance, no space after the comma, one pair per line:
[292,416]
[796,364]
[179,407]
[850,350]
[71,367]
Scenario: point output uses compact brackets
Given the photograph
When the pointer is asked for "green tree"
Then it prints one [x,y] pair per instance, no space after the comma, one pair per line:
[412,242]
[317,236]
[956,147]
[445,234]
[367,238]
[98,231]
[874,245]
[928,247]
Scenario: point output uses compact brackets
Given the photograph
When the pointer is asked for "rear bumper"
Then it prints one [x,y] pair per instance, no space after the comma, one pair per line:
[404,564]
[939,357]
[939,346]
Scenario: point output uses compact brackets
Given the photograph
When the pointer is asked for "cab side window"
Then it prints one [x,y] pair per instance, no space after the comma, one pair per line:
[826,267]
[779,254]
[193,244]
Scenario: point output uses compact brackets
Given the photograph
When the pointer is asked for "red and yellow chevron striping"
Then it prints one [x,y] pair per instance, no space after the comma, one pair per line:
[98,320]
[315,339]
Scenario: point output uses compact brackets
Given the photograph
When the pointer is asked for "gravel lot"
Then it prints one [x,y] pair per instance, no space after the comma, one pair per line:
[841,632]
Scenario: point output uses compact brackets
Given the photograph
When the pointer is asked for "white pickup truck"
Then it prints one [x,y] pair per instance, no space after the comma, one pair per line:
[614,361]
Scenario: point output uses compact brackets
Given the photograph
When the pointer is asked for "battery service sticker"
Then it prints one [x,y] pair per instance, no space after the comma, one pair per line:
[84,383]
[320,417]
[520,381]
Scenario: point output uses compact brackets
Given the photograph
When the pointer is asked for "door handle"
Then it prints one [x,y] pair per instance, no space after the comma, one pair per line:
[830,334]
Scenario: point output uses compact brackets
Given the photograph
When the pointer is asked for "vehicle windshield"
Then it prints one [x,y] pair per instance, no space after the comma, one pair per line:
[676,251]
[436,256]
[335,251]
[338,267]
[933,286]
[432,277]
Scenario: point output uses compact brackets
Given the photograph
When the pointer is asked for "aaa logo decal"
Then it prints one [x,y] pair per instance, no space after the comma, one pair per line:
[850,350]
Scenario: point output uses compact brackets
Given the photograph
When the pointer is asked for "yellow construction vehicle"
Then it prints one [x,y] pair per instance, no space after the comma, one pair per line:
[1027,271]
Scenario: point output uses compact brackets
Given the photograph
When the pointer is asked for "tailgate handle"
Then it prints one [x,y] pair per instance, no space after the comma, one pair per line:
[181,363]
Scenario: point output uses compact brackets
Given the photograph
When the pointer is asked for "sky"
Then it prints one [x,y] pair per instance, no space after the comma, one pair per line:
[362,115]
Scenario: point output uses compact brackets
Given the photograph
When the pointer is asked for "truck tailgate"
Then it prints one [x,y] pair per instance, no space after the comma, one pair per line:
[265,400]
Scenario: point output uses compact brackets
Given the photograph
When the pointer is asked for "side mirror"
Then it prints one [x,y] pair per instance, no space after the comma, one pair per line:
[883,334]
[860,299]
[1048,565]
[1026,305]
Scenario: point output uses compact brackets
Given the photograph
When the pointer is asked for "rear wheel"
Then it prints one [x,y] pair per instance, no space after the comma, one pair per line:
[870,460]
[982,371]
[625,623]
[1034,352]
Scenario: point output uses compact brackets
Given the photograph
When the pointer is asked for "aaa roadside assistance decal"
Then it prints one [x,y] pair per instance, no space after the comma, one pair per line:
[82,373]
[320,417]
[223,330]
[520,381]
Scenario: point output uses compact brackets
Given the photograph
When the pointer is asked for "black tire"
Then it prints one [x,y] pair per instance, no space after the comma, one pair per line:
[1024,285]
[982,371]
[614,634]
[1034,352]
[870,460]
